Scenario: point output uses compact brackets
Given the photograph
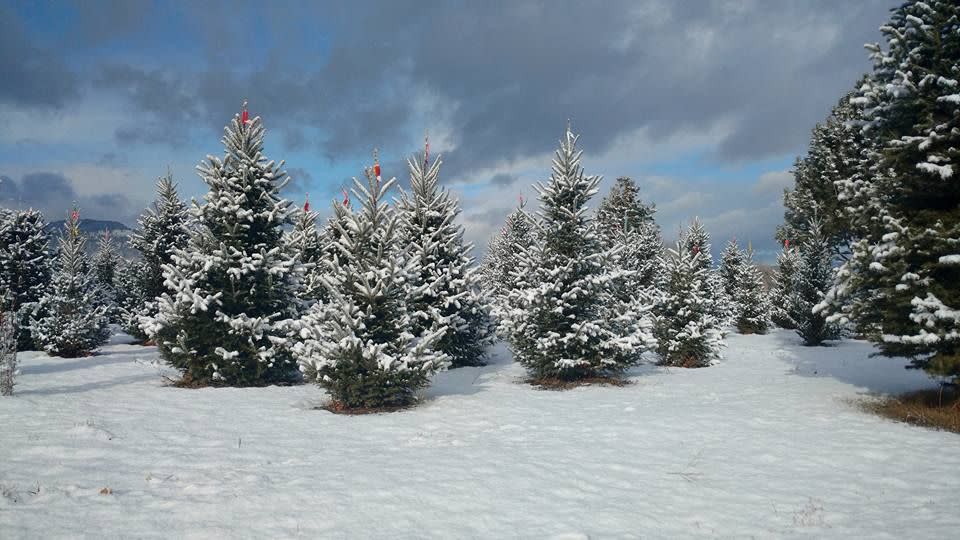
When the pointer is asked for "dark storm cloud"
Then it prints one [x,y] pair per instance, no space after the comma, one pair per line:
[510,72]
[54,195]
[32,76]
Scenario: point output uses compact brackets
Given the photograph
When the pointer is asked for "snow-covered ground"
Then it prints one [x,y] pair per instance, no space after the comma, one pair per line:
[766,444]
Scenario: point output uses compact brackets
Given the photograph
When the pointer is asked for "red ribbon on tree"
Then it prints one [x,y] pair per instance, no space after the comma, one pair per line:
[346,198]
[244,115]
[306,203]
[786,244]
[426,149]
[74,214]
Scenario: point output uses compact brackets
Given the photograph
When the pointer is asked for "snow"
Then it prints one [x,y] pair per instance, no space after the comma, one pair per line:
[765,444]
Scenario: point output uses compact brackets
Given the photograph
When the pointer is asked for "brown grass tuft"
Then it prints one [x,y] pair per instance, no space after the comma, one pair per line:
[937,408]
[552,383]
[337,407]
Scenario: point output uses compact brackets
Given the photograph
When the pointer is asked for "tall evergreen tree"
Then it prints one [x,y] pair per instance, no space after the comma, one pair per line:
[500,262]
[696,240]
[106,260]
[162,229]
[743,283]
[74,318]
[232,296]
[559,321]
[626,226]
[780,296]
[130,295]
[812,277]
[358,345]
[305,240]
[25,267]
[446,290]
[900,285]
[686,330]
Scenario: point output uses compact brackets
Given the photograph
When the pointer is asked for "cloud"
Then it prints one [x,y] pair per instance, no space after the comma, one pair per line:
[54,195]
[33,76]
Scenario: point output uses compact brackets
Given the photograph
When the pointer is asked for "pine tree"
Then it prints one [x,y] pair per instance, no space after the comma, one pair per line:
[515,236]
[780,296]
[162,229]
[25,267]
[559,319]
[900,284]
[74,321]
[305,240]
[358,345]
[626,225]
[686,330]
[812,277]
[105,263]
[696,240]
[130,295]
[750,298]
[227,317]
[446,289]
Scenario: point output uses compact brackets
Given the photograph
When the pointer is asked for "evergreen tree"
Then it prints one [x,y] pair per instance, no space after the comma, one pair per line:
[105,263]
[358,345]
[780,296]
[686,330]
[732,261]
[559,319]
[750,298]
[500,262]
[305,240]
[813,275]
[8,346]
[25,266]
[233,287]
[626,225]
[446,290]
[900,285]
[74,321]
[130,295]
[696,240]
[162,229]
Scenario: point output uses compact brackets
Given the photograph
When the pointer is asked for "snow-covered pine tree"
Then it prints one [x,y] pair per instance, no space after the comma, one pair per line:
[332,232]
[750,298]
[105,263]
[74,318]
[501,259]
[305,240]
[731,270]
[358,344]
[900,285]
[696,240]
[162,229]
[813,275]
[130,295]
[626,225]
[686,330]
[559,319]
[25,266]
[446,290]
[787,262]
[226,318]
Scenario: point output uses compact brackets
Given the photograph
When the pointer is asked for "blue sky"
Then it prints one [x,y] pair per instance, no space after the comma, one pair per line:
[705,103]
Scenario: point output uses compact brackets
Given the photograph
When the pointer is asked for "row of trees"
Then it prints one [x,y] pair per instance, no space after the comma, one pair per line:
[877,196]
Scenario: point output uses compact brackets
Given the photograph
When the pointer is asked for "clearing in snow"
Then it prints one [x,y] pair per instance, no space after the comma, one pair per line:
[765,444]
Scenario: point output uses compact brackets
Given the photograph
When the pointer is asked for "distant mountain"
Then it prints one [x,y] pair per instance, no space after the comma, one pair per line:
[92,226]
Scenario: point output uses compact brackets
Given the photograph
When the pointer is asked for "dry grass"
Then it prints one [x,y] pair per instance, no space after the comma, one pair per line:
[551,383]
[337,407]
[935,408]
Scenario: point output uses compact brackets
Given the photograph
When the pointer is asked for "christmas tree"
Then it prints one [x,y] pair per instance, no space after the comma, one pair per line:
[685,327]
[900,283]
[305,240]
[787,262]
[162,229]
[503,251]
[25,267]
[560,317]
[105,263]
[358,345]
[812,277]
[447,289]
[131,297]
[74,318]
[8,348]
[232,295]
[752,306]
[696,240]
[627,227]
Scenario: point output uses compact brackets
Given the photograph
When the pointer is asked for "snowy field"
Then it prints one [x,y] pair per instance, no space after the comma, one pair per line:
[764,445]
